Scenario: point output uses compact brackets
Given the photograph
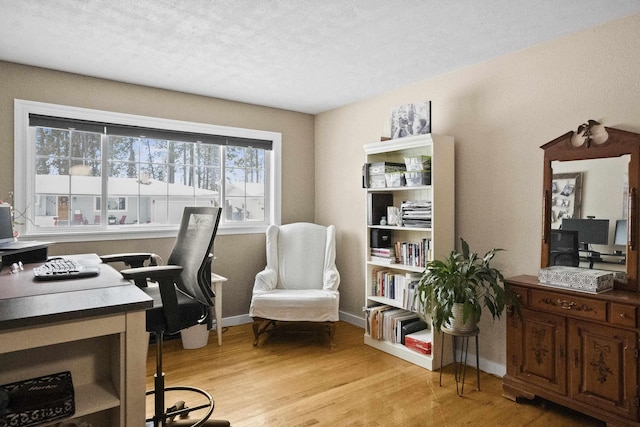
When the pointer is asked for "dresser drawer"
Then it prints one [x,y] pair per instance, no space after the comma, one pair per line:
[623,315]
[521,293]
[564,304]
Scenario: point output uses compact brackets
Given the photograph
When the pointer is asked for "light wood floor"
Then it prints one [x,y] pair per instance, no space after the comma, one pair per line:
[294,379]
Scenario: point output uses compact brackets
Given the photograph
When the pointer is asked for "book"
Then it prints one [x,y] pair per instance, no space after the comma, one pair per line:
[400,321]
[374,322]
[412,327]
[419,341]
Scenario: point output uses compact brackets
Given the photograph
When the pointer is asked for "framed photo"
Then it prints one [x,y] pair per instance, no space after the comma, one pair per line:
[411,119]
[566,199]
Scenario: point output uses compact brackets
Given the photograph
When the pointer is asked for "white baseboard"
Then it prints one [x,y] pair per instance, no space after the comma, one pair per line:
[236,320]
[353,320]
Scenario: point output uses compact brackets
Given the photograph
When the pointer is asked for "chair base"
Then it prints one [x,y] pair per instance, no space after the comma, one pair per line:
[212,423]
[262,325]
[179,410]
[176,415]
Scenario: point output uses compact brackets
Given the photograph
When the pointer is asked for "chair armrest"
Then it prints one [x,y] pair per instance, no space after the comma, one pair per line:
[133,259]
[266,280]
[155,273]
[331,279]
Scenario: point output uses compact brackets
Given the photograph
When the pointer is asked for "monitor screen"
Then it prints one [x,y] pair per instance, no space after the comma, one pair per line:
[621,232]
[590,231]
[6,224]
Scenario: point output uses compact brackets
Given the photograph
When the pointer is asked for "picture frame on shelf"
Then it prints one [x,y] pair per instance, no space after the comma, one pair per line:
[411,120]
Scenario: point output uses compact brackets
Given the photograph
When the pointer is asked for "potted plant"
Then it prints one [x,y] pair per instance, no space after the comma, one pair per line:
[454,291]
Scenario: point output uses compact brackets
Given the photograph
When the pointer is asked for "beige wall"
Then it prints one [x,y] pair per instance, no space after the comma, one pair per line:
[500,112]
[239,257]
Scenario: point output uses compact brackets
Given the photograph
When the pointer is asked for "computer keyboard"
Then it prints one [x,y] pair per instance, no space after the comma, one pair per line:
[64,269]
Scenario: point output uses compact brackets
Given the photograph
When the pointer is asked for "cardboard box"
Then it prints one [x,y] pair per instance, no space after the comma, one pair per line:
[419,341]
[576,279]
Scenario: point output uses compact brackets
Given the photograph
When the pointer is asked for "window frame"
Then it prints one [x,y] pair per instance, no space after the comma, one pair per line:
[24,171]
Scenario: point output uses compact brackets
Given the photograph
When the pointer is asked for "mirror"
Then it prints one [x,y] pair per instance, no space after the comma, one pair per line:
[590,201]
[590,197]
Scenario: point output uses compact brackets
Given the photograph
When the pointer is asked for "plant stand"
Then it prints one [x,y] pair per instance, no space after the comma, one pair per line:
[460,368]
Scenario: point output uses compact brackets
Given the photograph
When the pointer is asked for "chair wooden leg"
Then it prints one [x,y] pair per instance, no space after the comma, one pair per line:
[332,332]
[257,331]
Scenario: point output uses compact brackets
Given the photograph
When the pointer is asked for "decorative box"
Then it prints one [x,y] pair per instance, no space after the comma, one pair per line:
[37,401]
[419,163]
[576,279]
[379,168]
[419,341]
[417,178]
[377,181]
[394,179]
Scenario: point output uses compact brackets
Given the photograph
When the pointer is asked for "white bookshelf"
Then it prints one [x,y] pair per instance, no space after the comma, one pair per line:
[441,194]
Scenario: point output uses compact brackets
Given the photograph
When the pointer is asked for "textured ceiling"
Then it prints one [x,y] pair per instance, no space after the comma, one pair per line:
[302,55]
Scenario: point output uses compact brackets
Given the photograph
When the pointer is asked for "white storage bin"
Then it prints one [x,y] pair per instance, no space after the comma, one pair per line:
[195,337]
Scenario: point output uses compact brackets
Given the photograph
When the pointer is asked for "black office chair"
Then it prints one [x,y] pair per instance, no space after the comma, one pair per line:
[182,299]
[564,248]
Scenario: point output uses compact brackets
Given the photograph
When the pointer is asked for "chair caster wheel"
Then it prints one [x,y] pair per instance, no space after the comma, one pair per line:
[179,405]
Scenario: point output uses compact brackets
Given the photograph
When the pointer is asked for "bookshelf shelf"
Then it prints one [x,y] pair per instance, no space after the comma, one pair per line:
[397,266]
[388,281]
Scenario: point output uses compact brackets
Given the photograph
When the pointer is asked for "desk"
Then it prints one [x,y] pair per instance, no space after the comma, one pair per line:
[93,327]
[603,261]
[216,282]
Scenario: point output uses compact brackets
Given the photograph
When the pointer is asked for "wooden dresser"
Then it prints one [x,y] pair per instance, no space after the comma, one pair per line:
[576,349]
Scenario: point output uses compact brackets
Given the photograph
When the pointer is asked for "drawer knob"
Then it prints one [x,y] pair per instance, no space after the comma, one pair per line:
[622,315]
[567,305]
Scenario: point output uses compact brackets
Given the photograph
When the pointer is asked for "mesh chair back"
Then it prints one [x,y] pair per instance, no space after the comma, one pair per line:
[192,250]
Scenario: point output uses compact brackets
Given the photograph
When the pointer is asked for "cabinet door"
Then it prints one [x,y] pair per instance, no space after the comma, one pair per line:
[536,349]
[603,367]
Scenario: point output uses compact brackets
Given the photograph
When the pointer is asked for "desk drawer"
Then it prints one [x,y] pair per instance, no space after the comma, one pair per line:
[623,315]
[564,304]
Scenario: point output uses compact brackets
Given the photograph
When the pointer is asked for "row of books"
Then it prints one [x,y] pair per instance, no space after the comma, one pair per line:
[415,254]
[401,287]
[384,322]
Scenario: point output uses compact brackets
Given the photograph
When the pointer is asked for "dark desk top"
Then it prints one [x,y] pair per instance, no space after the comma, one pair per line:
[26,302]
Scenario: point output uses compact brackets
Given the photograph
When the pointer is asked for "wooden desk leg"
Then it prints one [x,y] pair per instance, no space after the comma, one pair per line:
[217,288]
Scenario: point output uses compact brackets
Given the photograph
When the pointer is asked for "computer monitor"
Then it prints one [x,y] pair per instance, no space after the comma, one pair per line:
[621,233]
[6,224]
[590,231]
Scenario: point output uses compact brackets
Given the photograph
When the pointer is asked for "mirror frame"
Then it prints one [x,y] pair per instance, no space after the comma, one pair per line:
[618,143]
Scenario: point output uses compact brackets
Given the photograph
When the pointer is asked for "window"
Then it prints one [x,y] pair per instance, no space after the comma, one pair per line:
[68,160]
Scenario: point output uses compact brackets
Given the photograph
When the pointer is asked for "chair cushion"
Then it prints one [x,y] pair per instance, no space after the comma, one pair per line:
[191,311]
[301,249]
[296,305]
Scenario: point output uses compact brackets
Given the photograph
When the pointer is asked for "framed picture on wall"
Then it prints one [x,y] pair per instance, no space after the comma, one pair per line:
[411,120]
[566,198]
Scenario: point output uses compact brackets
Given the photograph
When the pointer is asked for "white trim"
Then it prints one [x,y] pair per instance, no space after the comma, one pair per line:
[24,173]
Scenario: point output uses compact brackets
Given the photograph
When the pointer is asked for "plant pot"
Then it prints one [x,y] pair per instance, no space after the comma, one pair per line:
[456,323]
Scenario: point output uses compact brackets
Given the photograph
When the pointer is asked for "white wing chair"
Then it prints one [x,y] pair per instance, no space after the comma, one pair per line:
[300,282]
